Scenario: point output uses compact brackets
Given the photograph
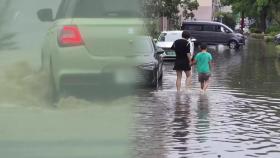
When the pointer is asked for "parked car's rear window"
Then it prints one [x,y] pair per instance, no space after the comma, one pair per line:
[169,37]
[99,8]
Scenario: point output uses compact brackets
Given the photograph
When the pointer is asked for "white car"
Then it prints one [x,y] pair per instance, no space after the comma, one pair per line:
[166,40]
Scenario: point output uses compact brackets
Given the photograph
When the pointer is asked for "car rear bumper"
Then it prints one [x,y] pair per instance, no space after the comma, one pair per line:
[169,57]
[118,78]
[75,67]
[169,54]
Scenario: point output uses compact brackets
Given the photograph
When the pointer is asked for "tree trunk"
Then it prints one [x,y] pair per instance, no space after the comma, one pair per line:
[242,24]
[263,16]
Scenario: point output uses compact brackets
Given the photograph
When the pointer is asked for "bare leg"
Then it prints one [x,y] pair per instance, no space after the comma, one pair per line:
[206,83]
[202,85]
[188,77]
[178,81]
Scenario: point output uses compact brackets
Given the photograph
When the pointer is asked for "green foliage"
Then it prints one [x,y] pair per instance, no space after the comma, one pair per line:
[155,9]
[188,6]
[260,10]
[278,48]
[269,38]
[278,51]
[228,19]
[273,30]
[153,28]
[255,30]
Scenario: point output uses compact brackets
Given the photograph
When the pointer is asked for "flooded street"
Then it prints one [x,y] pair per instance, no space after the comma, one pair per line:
[32,126]
[237,118]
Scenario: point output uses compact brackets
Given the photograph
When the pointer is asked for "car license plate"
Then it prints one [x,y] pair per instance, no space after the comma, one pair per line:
[170,53]
[125,76]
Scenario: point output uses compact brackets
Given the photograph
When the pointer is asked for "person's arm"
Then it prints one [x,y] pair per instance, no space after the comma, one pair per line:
[189,58]
[210,65]
[210,62]
[189,55]
[193,62]
[192,48]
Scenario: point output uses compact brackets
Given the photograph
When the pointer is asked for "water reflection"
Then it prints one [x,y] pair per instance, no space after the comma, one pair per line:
[258,71]
[181,122]
[202,112]
[6,38]
[237,117]
[277,66]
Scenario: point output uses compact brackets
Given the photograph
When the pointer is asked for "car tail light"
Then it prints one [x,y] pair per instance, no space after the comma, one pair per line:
[70,36]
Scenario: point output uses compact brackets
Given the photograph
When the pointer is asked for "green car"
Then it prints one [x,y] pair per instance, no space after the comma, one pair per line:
[95,42]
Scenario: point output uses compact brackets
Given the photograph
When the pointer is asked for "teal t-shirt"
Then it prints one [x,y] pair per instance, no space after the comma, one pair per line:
[202,62]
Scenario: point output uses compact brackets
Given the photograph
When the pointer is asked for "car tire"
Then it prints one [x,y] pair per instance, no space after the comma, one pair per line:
[233,44]
[156,79]
[161,74]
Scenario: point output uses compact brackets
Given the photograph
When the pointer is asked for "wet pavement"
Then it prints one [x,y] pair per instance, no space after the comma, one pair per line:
[237,117]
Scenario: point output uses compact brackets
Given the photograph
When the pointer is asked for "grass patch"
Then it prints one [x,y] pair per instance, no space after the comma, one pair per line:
[268,38]
[278,51]
[257,35]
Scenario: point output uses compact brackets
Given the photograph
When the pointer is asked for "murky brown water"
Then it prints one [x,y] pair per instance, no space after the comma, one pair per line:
[238,117]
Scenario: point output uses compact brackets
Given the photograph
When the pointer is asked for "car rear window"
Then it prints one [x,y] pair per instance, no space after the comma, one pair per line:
[169,37]
[99,9]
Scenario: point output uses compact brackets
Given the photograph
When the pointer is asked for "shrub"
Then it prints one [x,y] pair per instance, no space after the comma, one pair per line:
[229,20]
[255,30]
[268,38]
[226,18]
[278,51]
[278,48]
[273,29]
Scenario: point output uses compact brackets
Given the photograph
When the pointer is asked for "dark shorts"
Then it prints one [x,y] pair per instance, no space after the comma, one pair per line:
[202,77]
[181,65]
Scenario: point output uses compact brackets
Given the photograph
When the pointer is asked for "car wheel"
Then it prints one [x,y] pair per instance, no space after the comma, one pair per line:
[233,45]
[161,74]
[155,82]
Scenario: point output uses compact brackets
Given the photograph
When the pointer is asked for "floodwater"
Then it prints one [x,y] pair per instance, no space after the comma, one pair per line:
[31,126]
[238,116]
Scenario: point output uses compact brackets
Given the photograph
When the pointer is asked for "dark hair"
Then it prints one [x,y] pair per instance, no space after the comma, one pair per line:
[186,34]
[203,46]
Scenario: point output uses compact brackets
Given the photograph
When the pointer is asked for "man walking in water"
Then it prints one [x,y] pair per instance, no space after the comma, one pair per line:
[203,61]
[183,58]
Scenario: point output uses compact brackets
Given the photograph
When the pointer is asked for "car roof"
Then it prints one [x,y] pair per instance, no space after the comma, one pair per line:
[201,22]
[173,31]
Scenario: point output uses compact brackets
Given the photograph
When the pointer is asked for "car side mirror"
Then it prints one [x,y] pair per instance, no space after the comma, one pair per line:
[155,40]
[45,15]
[193,39]
[159,51]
